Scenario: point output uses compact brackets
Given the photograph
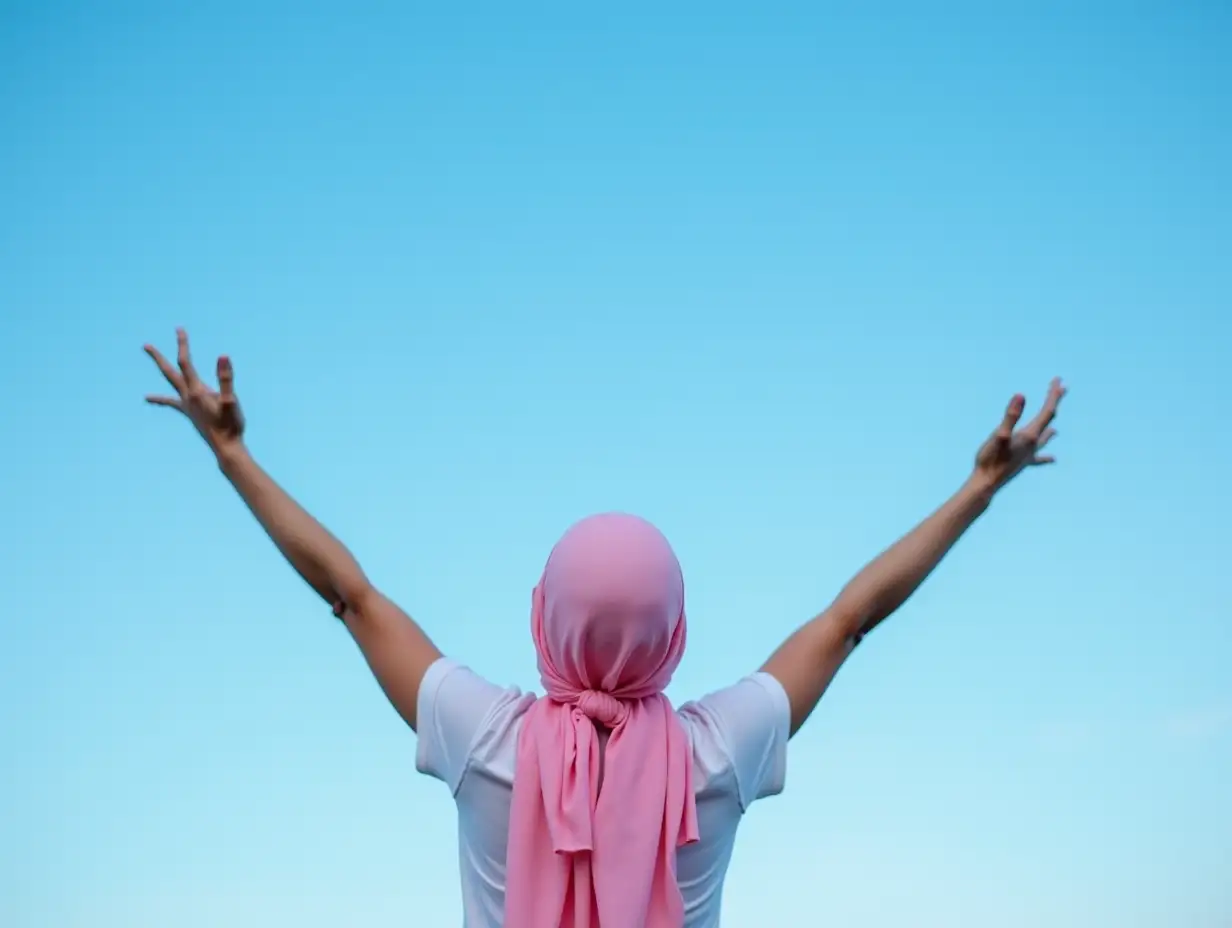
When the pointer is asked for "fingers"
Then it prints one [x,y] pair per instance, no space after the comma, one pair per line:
[171,401]
[228,406]
[1013,412]
[172,375]
[1056,390]
[1039,459]
[226,380]
[185,359]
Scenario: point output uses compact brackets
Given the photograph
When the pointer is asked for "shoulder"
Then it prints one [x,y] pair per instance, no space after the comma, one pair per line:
[462,717]
[739,736]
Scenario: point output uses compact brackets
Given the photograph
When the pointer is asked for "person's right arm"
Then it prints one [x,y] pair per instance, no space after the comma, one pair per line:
[808,660]
[395,647]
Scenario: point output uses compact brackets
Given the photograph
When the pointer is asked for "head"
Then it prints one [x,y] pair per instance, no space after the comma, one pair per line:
[608,614]
[588,823]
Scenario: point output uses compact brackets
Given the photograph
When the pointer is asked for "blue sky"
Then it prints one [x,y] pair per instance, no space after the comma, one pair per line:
[766,277]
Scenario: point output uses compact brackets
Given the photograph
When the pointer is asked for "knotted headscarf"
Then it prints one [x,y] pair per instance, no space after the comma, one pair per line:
[609,627]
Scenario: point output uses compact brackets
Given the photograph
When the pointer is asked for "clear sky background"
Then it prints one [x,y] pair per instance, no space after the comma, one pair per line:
[764,276]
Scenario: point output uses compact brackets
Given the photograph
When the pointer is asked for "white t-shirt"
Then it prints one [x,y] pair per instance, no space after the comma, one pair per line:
[468,738]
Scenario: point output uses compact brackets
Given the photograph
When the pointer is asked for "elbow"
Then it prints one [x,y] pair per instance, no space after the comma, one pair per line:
[849,620]
[356,594]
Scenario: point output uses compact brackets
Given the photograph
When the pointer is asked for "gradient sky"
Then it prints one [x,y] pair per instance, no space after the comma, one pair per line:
[766,277]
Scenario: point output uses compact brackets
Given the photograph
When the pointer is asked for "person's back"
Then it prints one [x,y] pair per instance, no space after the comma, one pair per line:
[468,736]
[600,805]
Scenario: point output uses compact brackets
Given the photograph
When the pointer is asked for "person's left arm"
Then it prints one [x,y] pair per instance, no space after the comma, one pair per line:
[396,648]
[808,660]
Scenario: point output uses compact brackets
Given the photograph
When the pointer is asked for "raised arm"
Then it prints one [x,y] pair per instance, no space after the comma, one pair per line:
[395,647]
[808,660]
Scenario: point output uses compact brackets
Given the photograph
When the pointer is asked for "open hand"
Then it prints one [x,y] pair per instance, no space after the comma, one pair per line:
[216,415]
[1008,451]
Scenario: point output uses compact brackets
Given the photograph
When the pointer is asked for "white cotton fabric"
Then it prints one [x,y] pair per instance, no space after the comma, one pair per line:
[468,738]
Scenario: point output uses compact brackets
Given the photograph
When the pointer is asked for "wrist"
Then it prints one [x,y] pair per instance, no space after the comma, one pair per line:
[978,491]
[230,456]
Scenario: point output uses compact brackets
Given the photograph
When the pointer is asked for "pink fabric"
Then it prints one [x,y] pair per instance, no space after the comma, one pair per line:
[609,628]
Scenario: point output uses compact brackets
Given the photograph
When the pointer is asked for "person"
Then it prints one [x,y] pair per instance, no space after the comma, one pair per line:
[598,805]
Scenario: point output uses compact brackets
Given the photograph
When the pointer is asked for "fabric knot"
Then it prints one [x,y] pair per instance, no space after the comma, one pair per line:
[600,707]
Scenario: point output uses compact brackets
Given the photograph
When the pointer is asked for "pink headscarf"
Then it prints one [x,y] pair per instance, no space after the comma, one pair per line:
[609,628]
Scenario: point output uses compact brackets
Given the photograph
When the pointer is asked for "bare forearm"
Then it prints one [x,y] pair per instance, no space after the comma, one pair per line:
[890,579]
[320,558]
[807,661]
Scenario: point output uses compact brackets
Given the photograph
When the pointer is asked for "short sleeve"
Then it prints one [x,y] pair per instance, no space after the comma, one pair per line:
[744,727]
[454,709]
